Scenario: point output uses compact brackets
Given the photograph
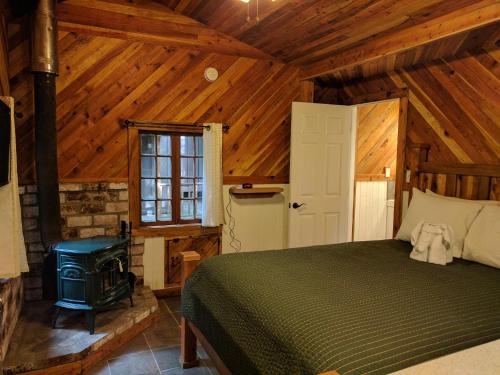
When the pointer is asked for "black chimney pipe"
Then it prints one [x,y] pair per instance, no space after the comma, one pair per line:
[44,66]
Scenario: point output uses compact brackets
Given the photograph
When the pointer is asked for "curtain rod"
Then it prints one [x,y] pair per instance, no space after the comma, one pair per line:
[131,122]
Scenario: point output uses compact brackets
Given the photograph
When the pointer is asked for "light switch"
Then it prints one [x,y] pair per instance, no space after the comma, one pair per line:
[387,172]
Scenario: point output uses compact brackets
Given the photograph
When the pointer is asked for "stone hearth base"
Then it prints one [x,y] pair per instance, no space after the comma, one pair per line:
[37,349]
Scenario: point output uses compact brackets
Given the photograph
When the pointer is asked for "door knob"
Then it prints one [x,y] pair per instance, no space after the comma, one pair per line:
[297,205]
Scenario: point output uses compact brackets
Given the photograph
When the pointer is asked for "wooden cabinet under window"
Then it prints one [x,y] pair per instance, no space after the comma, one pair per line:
[206,246]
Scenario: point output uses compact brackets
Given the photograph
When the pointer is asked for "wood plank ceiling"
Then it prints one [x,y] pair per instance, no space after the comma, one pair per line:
[345,38]
[475,41]
[324,36]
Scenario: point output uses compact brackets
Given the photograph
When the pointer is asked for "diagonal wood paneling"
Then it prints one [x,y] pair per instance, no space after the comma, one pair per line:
[104,81]
[21,85]
[453,105]
[376,140]
[4,58]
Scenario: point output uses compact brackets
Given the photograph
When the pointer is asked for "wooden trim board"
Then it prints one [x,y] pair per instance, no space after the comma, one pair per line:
[230,180]
[489,170]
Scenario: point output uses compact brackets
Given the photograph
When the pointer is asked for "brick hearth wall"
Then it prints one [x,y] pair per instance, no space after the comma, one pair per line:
[34,248]
[87,210]
[90,210]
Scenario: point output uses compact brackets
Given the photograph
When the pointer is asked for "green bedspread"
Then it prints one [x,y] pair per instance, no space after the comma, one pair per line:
[358,308]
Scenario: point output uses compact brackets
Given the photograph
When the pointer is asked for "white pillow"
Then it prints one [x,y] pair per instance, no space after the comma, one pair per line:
[482,243]
[436,210]
[482,203]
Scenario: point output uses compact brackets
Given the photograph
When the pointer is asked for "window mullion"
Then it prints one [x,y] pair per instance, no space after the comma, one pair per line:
[176,179]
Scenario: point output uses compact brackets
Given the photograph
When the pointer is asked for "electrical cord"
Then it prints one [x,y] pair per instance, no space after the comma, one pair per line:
[234,242]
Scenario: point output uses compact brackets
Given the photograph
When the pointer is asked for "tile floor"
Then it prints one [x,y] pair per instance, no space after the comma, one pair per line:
[155,351]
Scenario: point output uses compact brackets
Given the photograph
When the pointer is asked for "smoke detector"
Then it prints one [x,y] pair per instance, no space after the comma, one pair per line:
[211,74]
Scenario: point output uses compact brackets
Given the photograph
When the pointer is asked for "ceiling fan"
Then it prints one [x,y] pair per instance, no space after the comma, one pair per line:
[257,18]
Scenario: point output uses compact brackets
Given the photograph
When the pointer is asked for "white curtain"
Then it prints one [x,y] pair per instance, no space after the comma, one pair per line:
[213,213]
[12,249]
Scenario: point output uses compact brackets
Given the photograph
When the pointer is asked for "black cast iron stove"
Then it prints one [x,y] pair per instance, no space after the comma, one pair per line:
[92,275]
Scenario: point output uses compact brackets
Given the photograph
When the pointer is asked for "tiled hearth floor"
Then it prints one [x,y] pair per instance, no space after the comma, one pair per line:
[155,351]
[36,345]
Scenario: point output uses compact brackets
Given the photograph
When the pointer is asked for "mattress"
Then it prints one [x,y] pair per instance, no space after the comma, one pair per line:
[358,308]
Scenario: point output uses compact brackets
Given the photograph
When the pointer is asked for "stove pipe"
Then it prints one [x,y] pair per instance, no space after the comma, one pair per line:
[44,65]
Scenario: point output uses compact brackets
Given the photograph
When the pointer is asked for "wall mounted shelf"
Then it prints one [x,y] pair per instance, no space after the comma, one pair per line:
[255,192]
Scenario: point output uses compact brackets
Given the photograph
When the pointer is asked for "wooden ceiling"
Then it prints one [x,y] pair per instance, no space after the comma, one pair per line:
[340,40]
[325,36]
[485,39]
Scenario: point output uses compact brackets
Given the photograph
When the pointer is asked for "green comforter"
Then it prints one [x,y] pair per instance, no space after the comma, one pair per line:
[358,308]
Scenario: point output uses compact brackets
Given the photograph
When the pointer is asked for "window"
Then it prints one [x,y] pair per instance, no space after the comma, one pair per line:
[171,178]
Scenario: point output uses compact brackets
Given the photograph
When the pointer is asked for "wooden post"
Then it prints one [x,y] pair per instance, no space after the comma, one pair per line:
[306,91]
[190,260]
[416,154]
[400,164]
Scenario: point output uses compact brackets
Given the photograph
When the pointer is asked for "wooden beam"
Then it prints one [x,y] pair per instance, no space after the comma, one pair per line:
[481,13]
[123,20]
[377,96]
[489,170]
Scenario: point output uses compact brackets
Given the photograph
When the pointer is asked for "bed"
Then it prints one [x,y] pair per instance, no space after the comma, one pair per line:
[353,308]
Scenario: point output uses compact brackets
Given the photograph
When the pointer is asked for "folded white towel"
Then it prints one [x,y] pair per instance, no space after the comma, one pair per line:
[432,243]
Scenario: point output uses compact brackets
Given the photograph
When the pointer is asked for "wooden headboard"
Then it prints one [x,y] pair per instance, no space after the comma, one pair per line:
[467,181]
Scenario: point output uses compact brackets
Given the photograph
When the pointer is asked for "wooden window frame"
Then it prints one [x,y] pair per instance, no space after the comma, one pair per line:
[134,158]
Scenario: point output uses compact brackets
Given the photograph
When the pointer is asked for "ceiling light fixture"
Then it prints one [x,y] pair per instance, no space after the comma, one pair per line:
[257,18]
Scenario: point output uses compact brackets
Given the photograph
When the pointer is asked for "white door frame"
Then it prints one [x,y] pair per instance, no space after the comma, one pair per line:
[351,171]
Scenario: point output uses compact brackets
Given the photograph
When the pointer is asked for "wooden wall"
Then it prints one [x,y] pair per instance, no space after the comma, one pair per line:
[454,105]
[104,81]
[376,140]
[4,57]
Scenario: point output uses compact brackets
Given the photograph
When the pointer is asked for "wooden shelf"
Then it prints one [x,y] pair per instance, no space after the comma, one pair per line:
[255,192]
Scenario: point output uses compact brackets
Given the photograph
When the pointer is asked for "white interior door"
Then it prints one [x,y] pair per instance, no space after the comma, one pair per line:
[321,174]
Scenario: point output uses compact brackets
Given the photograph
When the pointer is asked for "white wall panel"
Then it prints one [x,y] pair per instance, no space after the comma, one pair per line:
[154,262]
[261,223]
[370,217]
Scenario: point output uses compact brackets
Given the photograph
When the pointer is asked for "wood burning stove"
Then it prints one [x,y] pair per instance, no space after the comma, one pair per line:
[92,275]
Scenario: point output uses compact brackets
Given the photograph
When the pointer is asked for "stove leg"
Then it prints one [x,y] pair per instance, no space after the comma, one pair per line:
[56,315]
[90,321]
